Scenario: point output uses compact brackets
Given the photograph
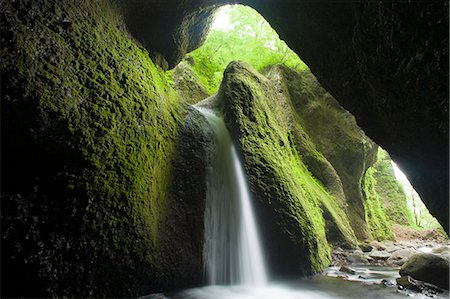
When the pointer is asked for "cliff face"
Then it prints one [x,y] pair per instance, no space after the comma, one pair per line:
[295,212]
[385,62]
[89,133]
[336,135]
[103,181]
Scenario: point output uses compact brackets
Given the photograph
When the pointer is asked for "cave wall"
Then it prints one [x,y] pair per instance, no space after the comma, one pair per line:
[335,134]
[384,61]
[387,63]
[89,128]
[391,192]
[297,215]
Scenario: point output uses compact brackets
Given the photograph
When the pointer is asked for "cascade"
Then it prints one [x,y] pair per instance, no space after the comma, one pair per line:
[232,250]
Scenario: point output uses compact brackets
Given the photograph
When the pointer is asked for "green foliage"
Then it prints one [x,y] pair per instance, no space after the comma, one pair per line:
[376,217]
[91,129]
[421,217]
[390,190]
[248,38]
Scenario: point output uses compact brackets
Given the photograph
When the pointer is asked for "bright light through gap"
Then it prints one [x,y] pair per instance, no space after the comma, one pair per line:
[222,19]
[400,175]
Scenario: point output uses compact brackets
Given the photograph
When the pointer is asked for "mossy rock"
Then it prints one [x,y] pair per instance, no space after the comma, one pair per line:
[187,83]
[294,210]
[391,192]
[89,131]
[336,135]
[427,267]
[376,217]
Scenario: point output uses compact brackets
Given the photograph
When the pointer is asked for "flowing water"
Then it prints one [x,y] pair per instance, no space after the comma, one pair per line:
[234,263]
[232,251]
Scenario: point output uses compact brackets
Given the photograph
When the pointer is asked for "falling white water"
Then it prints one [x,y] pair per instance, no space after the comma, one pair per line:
[232,250]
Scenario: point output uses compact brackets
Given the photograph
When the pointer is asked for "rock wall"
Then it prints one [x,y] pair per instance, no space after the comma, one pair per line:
[89,134]
[393,197]
[376,59]
[384,61]
[186,82]
[91,204]
[295,212]
[334,132]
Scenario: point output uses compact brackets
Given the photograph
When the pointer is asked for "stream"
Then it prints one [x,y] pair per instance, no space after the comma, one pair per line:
[327,285]
[234,260]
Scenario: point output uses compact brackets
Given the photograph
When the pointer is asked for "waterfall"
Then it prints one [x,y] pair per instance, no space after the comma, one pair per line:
[232,250]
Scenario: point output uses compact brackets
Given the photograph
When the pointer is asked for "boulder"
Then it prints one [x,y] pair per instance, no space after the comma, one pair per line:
[347,270]
[399,257]
[366,247]
[379,255]
[429,268]
[356,258]
[405,282]
[377,245]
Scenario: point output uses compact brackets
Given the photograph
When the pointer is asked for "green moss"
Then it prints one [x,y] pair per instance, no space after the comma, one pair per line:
[346,152]
[390,190]
[376,217]
[262,121]
[91,129]
[188,84]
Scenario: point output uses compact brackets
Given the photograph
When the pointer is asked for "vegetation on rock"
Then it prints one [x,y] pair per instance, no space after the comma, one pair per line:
[390,190]
[334,132]
[89,127]
[378,221]
[261,121]
[99,194]
[249,38]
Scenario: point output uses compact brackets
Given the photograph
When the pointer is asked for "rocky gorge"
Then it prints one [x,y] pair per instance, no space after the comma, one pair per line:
[105,158]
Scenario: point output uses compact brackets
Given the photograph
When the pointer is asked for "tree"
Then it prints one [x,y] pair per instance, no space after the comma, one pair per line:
[250,38]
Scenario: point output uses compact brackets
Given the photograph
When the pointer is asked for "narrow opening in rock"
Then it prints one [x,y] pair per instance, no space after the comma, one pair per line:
[422,217]
[239,33]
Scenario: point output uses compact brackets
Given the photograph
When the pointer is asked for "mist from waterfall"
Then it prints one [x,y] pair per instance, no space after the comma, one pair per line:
[232,250]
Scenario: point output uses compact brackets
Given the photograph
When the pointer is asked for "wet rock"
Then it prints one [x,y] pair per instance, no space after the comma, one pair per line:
[445,256]
[366,247]
[441,250]
[391,247]
[356,258]
[362,277]
[429,268]
[407,283]
[387,283]
[379,255]
[377,245]
[428,289]
[347,270]
[399,257]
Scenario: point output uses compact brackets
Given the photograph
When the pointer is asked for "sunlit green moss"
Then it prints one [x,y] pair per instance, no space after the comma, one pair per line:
[100,122]
[262,120]
[391,192]
[376,217]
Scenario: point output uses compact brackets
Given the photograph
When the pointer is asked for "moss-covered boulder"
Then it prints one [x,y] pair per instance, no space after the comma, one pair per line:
[187,83]
[289,201]
[336,135]
[89,134]
[427,267]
